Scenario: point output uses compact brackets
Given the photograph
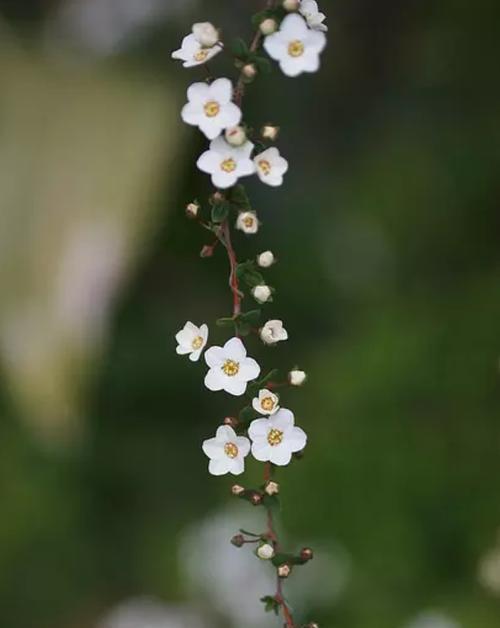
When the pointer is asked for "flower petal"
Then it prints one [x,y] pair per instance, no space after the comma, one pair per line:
[243,445]
[237,466]
[261,450]
[258,429]
[225,434]
[221,90]
[235,349]
[282,420]
[234,386]
[219,467]
[213,448]
[214,357]
[249,369]
[213,380]
[297,439]
[280,455]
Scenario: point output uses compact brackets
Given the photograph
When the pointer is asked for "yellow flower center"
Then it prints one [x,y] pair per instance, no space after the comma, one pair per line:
[231,450]
[201,55]
[264,166]
[231,368]
[274,437]
[248,222]
[267,404]
[197,343]
[211,108]
[228,165]
[296,48]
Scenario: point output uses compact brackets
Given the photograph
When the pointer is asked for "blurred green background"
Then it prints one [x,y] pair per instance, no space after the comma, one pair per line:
[387,232]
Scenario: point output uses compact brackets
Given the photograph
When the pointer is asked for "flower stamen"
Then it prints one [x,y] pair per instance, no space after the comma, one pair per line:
[275,437]
[228,165]
[197,343]
[211,108]
[265,166]
[201,55]
[231,368]
[296,48]
[267,404]
[231,450]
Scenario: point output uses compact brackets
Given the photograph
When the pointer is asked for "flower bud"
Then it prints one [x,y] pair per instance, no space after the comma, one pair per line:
[273,332]
[268,26]
[207,250]
[249,71]
[312,624]
[272,488]
[238,540]
[205,34]
[284,570]
[231,421]
[236,136]
[256,498]
[237,490]
[265,551]
[217,197]
[192,209]
[291,5]
[265,259]
[306,553]
[296,377]
[270,132]
[261,293]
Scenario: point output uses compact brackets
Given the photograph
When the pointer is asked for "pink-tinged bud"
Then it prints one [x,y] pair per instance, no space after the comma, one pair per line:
[270,132]
[231,421]
[284,570]
[237,490]
[207,251]
[238,540]
[192,209]
[236,136]
[272,488]
[256,498]
[306,553]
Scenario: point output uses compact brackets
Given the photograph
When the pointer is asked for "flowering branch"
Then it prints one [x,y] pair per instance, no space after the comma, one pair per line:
[293,34]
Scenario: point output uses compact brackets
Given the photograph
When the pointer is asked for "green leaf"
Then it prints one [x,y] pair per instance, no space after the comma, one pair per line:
[239,48]
[246,414]
[220,212]
[279,559]
[263,65]
[239,197]
[271,605]
[244,329]
[252,317]
[225,322]
[271,375]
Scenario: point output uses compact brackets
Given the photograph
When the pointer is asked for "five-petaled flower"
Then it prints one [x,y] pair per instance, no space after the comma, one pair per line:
[273,332]
[247,222]
[193,53]
[310,10]
[191,340]
[276,438]
[295,46]
[266,402]
[226,163]
[270,166]
[226,451]
[210,107]
[230,368]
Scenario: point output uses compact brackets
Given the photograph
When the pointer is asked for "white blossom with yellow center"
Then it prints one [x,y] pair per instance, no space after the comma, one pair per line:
[192,53]
[310,10]
[226,163]
[227,451]
[270,166]
[276,438]
[266,402]
[230,368]
[247,222]
[209,107]
[191,340]
[295,46]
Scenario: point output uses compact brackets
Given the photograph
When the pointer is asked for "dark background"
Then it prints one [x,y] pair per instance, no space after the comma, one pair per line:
[387,234]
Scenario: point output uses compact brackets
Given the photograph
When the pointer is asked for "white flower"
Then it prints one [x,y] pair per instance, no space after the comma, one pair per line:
[247,222]
[314,17]
[265,259]
[191,340]
[230,369]
[236,135]
[210,107]
[275,439]
[261,294]
[193,53]
[268,26]
[266,402]
[295,46]
[271,166]
[296,377]
[226,163]
[206,34]
[226,451]
[265,551]
[273,332]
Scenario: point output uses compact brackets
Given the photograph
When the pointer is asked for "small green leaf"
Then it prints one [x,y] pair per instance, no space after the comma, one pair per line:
[271,605]
[225,322]
[244,329]
[246,414]
[279,559]
[263,65]
[239,197]
[252,317]
[239,48]
[220,212]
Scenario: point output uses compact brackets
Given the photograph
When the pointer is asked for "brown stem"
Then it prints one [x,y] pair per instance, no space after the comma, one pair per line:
[233,263]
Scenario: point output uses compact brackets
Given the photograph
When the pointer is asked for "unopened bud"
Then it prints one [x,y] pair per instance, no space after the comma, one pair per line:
[291,5]
[284,570]
[217,197]
[306,553]
[265,551]
[266,259]
[192,209]
[312,624]
[205,34]
[268,26]
[207,251]
[236,136]
[256,498]
[238,540]
[231,421]
[262,293]
[237,490]
[272,488]
[270,132]
[296,377]
[249,71]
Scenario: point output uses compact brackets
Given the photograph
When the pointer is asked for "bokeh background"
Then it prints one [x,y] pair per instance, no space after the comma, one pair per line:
[387,233]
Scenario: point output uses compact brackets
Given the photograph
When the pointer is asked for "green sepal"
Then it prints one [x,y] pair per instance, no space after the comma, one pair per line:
[239,197]
[225,322]
[239,48]
[281,558]
[271,605]
[220,212]
[246,414]
[250,318]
